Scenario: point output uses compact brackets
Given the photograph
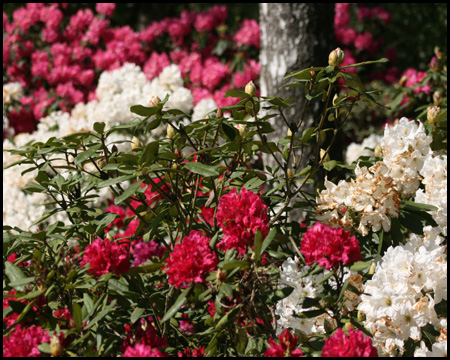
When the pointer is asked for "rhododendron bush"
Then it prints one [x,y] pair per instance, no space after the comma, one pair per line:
[145,223]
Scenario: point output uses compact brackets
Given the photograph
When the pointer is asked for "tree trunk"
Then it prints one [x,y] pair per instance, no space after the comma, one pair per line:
[294,36]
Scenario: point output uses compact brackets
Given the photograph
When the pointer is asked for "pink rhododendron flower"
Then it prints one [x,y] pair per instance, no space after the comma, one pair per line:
[285,348]
[141,350]
[104,256]
[354,345]
[191,260]
[329,247]
[248,34]
[24,342]
[106,9]
[240,216]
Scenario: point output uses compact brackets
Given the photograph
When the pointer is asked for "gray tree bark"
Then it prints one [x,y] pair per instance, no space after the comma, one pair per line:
[294,36]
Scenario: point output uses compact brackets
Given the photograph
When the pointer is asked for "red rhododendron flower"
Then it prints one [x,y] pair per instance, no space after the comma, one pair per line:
[354,345]
[285,348]
[329,246]
[24,342]
[105,256]
[191,260]
[240,216]
[141,350]
[198,352]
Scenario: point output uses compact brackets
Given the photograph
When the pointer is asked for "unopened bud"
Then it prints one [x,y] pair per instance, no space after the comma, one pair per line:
[289,132]
[154,100]
[219,113]
[221,276]
[171,131]
[432,114]
[56,346]
[324,155]
[114,149]
[250,89]
[135,143]
[372,269]
[335,58]
[101,161]
[437,98]
[378,151]
[361,316]
[328,326]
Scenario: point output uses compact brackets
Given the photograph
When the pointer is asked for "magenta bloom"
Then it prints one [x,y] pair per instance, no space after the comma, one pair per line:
[355,345]
[141,350]
[105,256]
[329,246]
[191,260]
[240,216]
[24,342]
[286,347]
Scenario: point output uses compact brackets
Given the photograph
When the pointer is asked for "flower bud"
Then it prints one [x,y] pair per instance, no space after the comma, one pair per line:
[324,153]
[154,100]
[114,149]
[289,132]
[437,98]
[336,57]
[346,326]
[219,113]
[56,346]
[378,151]
[372,269]
[102,161]
[221,276]
[438,52]
[433,113]
[328,326]
[361,316]
[171,131]
[242,129]
[135,143]
[250,89]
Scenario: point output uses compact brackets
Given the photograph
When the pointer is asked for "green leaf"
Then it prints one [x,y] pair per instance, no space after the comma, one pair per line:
[413,206]
[80,158]
[360,266]
[136,314]
[228,316]
[99,127]
[177,305]
[14,273]
[273,296]
[304,74]
[88,303]
[267,241]
[202,169]
[45,348]
[144,111]
[382,60]
[149,154]
[144,269]
[330,165]
[237,94]
[229,131]
[307,134]
[128,192]
[76,309]
[231,264]
[113,181]
[258,245]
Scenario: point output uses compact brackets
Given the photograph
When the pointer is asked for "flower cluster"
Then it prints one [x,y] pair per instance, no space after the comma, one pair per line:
[405,147]
[61,70]
[24,341]
[191,260]
[400,298]
[104,256]
[240,216]
[434,173]
[371,196]
[286,347]
[353,345]
[329,247]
